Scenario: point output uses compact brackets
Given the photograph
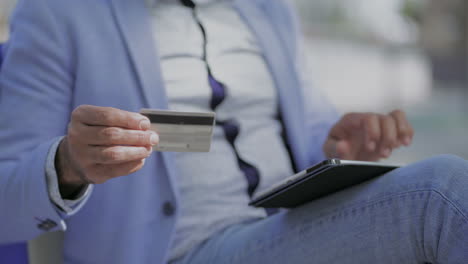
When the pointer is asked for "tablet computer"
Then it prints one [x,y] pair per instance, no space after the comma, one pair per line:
[324,178]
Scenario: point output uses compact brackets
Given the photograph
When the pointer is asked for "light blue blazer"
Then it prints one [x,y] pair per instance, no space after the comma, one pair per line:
[65,53]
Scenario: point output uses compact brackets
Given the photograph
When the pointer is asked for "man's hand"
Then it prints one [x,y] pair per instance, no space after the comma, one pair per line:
[368,136]
[102,143]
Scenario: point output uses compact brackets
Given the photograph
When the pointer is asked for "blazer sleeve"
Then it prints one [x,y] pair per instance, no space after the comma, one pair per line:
[36,82]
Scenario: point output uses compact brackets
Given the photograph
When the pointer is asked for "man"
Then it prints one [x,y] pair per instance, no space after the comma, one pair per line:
[76,73]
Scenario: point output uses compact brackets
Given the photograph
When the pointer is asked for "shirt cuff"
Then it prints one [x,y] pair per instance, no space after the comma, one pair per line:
[64,205]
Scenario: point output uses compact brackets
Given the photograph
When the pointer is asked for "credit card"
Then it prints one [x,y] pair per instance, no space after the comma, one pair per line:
[181,131]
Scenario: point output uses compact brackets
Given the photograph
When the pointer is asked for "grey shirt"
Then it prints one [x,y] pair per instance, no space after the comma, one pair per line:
[213,189]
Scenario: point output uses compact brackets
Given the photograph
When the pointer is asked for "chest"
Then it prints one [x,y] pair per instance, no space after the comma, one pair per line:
[212,36]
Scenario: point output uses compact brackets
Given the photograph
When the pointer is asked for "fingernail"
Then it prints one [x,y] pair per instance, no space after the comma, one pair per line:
[407,141]
[150,151]
[154,139]
[145,124]
[371,146]
[386,152]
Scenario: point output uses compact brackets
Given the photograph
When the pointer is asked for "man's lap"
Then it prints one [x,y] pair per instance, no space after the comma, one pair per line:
[402,217]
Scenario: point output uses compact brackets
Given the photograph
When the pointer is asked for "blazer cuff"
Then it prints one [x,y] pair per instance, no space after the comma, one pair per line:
[64,206]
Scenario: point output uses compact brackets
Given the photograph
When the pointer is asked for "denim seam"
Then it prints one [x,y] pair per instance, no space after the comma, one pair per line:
[455,206]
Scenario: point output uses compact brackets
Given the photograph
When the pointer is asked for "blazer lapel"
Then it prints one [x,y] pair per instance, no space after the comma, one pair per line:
[282,70]
[134,22]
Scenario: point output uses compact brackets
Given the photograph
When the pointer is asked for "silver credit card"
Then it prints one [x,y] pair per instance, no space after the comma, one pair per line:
[181,131]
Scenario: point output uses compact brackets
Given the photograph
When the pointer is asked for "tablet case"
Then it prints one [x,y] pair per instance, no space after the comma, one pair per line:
[328,181]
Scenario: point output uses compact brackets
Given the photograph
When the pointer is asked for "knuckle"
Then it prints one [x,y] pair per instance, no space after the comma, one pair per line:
[112,155]
[388,122]
[103,116]
[372,130]
[365,120]
[116,114]
[370,117]
[399,113]
[143,138]
[77,112]
[73,135]
[386,118]
[128,121]
[111,134]
[372,123]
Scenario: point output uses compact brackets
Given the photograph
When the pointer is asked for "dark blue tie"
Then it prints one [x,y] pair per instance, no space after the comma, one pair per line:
[231,130]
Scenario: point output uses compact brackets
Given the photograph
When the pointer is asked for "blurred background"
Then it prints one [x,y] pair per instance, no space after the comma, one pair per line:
[377,55]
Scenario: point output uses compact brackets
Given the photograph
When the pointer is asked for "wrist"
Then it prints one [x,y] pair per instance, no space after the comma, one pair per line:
[70,184]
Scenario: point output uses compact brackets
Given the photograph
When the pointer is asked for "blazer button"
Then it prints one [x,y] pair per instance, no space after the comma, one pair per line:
[46,225]
[168,209]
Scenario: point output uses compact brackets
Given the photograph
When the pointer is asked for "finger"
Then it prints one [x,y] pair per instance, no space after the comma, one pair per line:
[105,136]
[410,139]
[118,154]
[348,122]
[344,150]
[404,128]
[101,172]
[337,149]
[329,148]
[108,116]
[388,139]
[372,129]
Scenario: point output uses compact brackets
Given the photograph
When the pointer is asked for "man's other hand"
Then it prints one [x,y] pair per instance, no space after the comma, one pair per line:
[368,136]
[102,143]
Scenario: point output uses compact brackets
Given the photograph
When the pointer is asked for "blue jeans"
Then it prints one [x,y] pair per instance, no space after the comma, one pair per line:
[415,214]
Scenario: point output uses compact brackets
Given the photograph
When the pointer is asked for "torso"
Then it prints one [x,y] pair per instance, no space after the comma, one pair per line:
[213,189]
